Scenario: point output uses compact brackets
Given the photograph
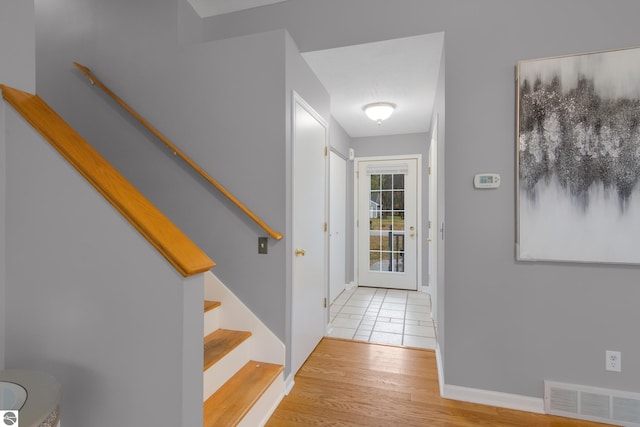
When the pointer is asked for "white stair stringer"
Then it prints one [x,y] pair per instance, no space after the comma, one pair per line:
[265,346]
[220,372]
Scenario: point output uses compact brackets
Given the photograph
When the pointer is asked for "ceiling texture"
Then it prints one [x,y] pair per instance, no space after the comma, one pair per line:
[401,71]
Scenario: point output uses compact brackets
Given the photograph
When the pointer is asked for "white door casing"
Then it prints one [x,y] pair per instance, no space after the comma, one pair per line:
[337,225]
[432,238]
[309,237]
[388,231]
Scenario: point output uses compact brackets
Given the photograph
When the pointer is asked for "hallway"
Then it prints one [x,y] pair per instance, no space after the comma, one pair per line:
[383,316]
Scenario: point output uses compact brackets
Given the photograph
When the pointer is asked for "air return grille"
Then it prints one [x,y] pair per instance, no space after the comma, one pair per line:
[592,403]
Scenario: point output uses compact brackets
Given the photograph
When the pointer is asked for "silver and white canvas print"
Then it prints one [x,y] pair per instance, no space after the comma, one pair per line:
[578,158]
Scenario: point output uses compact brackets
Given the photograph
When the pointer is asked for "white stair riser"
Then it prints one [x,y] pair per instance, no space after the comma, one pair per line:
[235,315]
[225,368]
[260,413]
[211,321]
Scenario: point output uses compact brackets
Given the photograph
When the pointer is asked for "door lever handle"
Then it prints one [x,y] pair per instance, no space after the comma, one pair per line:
[300,252]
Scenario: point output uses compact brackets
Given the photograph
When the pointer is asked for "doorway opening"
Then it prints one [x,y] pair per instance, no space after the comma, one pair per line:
[391,276]
[386,306]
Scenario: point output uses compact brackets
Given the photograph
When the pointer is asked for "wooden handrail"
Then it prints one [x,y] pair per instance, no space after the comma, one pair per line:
[176,151]
[172,243]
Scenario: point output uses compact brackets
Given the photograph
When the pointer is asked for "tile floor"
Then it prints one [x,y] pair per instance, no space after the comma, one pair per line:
[383,316]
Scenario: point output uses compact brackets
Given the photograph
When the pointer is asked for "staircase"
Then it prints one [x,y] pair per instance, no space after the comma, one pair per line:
[243,362]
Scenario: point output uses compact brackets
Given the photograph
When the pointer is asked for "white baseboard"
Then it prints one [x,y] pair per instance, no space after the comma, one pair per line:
[350,286]
[485,397]
[288,384]
[493,398]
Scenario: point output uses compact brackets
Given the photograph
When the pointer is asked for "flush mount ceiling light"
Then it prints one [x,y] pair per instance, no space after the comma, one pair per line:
[379,111]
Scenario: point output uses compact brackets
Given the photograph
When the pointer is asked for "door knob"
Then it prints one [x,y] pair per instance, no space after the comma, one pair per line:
[300,252]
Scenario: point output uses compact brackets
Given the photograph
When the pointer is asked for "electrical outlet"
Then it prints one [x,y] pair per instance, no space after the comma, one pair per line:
[613,361]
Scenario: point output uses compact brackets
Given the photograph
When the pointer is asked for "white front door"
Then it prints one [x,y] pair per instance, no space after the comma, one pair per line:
[387,223]
[337,225]
[309,318]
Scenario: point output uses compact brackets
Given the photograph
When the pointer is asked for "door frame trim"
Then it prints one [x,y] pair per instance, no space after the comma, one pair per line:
[356,249]
[296,99]
[343,208]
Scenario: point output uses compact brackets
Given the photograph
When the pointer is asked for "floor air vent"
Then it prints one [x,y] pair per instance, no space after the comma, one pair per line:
[593,404]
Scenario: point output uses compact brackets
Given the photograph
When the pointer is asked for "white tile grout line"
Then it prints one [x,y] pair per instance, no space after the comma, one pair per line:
[367,309]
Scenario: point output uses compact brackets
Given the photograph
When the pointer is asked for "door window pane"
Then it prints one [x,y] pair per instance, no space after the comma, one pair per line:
[386,222]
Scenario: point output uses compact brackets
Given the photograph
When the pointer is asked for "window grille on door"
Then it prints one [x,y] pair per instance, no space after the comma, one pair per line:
[386,217]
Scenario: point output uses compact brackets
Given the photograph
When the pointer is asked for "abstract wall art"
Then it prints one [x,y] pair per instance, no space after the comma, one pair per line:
[578,158]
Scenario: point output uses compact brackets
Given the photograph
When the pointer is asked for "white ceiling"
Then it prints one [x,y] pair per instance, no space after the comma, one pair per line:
[402,71]
[206,8]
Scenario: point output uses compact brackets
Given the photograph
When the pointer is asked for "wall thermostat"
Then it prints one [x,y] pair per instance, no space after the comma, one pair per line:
[486,180]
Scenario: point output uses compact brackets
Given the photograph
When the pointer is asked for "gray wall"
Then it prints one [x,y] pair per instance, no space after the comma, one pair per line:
[17,69]
[223,103]
[91,302]
[413,143]
[407,144]
[17,44]
[509,325]
[339,140]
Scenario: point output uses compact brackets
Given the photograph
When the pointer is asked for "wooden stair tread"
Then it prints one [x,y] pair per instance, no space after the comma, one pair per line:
[219,343]
[232,401]
[210,305]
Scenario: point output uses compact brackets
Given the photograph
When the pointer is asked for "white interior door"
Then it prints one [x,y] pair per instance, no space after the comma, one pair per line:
[309,239]
[387,223]
[337,225]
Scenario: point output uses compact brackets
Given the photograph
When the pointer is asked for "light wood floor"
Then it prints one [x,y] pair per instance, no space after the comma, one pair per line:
[350,383]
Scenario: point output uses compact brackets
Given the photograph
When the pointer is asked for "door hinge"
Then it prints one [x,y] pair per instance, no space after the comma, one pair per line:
[429,170]
[326,150]
[326,227]
[325,303]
